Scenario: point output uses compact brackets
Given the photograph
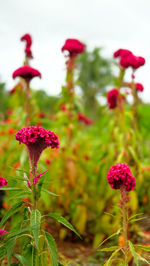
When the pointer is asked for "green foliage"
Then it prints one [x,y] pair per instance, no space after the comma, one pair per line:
[52,247]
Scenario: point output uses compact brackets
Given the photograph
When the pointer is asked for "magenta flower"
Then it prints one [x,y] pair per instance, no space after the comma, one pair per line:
[120,176]
[74,47]
[3,182]
[27,38]
[2,232]
[37,177]
[84,119]
[121,53]
[112,98]
[36,139]
[139,87]
[26,72]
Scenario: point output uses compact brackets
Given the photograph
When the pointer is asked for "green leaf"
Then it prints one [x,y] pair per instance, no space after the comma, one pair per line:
[9,247]
[135,215]
[109,262]
[21,259]
[2,251]
[117,233]
[142,259]
[49,192]
[63,221]
[146,248]
[108,249]
[14,209]
[35,220]
[134,254]
[52,246]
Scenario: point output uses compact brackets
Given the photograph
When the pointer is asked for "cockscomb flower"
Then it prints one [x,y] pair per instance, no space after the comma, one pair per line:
[139,87]
[74,47]
[121,53]
[132,61]
[119,176]
[2,232]
[84,119]
[37,177]
[36,139]
[112,98]
[26,72]
[27,38]
[3,182]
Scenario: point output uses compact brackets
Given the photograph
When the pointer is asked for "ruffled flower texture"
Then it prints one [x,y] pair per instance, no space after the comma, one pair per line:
[120,176]
[74,47]
[2,232]
[139,87]
[84,119]
[27,38]
[3,182]
[36,139]
[112,98]
[26,72]
[128,59]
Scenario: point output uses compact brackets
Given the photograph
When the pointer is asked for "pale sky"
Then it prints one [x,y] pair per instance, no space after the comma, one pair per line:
[112,24]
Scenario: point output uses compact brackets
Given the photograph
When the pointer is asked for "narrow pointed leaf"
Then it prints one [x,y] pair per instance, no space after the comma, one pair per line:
[35,220]
[52,246]
[13,209]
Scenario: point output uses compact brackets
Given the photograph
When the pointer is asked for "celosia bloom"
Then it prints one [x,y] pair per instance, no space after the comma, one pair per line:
[139,87]
[112,98]
[121,52]
[74,47]
[120,176]
[36,139]
[84,119]
[2,232]
[26,72]
[3,182]
[132,61]
[27,38]
[37,177]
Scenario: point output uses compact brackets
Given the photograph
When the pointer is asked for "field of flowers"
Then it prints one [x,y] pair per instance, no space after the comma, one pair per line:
[75,172]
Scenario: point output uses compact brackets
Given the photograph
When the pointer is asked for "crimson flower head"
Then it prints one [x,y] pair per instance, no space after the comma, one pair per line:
[139,87]
[112,98]
[2,232]
[27,38]
[120,176]
[84,119]
[3,182]
[26,72]
[132,61]
[121,53]
[74,47]
[36,139]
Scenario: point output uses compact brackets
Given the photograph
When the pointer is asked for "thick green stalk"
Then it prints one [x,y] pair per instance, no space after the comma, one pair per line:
[124,210]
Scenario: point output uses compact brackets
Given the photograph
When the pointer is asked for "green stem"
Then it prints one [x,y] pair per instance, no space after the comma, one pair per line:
[125,222]
[34,186]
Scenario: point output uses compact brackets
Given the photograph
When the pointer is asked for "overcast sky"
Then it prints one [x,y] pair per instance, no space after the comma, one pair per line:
[112,24]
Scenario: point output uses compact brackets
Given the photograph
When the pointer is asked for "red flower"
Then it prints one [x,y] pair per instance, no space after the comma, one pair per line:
[37,177]
[36,139]
[27,38]
[47,161]
[26,72]
[84,119]
[122,52]
[41,115]
[74,47]
[132,61]
[139,87]
[119,176]
[2,232]
[112,98]
[3,182]
[12,91]
[63,107]
[9,112]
